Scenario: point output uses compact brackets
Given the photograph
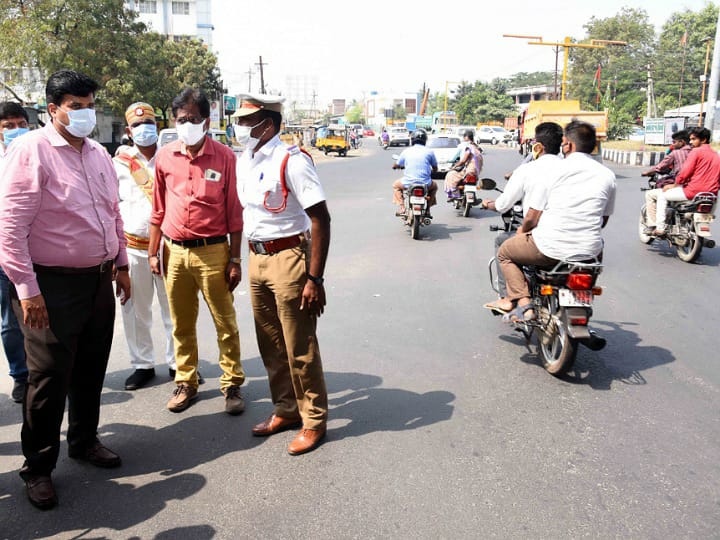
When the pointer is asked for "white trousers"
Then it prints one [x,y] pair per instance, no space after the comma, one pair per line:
[657,200]
[137,313]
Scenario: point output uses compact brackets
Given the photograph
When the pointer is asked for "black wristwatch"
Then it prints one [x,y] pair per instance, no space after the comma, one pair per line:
[316,280]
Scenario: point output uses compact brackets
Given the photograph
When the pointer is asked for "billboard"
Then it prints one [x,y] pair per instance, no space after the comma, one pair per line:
[230,104]
[671,126]
[654,131]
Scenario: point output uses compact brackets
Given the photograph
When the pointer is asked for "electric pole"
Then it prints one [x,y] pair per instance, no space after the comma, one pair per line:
[249,74]
[714,79]
[262,76]
[651,105]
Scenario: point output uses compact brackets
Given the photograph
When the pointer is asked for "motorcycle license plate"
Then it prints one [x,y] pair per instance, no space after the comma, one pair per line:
[570,298]
[470,196]
[703,218]
[417,200]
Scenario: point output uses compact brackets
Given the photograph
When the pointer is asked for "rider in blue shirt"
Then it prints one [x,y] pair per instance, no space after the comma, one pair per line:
[419,163]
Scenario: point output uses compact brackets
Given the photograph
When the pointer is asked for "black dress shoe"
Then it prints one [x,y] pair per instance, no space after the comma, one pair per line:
[98,455]
[18,391]
[41,492]
[171,372]
[139,378]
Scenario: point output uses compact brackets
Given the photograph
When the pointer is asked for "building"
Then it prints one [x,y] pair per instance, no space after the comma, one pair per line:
[176,19]
[525,94]
[381,108]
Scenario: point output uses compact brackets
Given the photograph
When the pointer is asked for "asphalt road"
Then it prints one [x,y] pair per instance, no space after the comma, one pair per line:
[443,423]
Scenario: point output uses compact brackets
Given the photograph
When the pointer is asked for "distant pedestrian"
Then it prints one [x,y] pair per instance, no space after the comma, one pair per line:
[288,227]
[195,207]
[60,236]
[135,167]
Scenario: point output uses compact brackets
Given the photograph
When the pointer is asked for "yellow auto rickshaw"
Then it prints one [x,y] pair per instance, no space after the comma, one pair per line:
[333,139]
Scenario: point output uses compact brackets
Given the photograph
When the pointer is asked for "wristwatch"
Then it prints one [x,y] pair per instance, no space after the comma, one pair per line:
[316,280]
[235,260]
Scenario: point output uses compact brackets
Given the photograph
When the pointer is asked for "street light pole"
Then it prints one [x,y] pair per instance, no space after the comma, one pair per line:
[714,79]
[704,79]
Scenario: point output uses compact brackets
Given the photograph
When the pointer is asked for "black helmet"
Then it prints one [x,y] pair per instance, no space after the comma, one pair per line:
[419,136]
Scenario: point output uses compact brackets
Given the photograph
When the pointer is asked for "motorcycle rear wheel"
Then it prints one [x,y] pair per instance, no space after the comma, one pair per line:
[415,227]
[556,348]
[466,208]
[691,250]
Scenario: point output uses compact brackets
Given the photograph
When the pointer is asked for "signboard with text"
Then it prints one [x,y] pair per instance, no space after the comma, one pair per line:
[654,130]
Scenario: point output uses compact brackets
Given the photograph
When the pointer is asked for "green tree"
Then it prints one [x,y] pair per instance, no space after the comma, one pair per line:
[354,114]
[675,62]
[482,102]
[624,66]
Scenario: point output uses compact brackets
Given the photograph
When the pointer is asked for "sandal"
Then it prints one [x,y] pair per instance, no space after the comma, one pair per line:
[496,309]
[520,314]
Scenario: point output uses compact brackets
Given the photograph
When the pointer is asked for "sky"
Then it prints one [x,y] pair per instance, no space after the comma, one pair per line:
[354,48]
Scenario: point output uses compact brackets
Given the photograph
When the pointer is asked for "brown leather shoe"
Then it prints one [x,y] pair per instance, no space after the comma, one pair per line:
[306,440]
[41,492]
[98,455]
[183,395]
[275,424]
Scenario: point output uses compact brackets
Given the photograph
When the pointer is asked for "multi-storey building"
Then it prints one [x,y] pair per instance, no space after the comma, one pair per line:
[176,19]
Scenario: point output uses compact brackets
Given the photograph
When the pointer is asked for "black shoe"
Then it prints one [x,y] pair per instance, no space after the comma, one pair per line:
[18,391]
[139,378]
[41,492]
[98,455]
[171,372]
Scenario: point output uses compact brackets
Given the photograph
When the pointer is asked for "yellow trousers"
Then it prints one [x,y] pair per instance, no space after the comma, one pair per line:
[286,336]
[189,270]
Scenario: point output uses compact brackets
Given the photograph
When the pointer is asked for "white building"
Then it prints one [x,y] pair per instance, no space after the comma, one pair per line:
[176,19]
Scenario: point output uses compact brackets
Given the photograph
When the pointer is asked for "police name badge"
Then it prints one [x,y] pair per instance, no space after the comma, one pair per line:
[212,176]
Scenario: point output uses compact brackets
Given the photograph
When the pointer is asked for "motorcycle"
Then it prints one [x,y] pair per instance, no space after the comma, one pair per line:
[416,206]
[687,223]
[562,298]
[468,189]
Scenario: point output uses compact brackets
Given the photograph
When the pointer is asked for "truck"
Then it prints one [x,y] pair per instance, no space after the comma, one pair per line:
[560,112]
[417,121]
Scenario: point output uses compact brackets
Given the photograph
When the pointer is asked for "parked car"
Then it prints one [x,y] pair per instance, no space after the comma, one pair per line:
[368,132]
[169,135]
[445,148]
[399,136]
[492,134]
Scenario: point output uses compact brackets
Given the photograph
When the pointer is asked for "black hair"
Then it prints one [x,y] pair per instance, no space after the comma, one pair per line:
[700,133]
[191,96]
[10,109]
[68,82]
[550,135]
[681,135]
[470,134]
[582,135]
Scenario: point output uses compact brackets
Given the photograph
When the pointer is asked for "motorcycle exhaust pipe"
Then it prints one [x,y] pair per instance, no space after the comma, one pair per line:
[709,243]
[427,221]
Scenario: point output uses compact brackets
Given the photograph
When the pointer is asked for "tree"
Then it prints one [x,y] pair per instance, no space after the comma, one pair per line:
[354,114]
[482,102]
[624,66]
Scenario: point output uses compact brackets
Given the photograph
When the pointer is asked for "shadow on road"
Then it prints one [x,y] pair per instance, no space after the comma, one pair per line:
[622,360]
[708,256]
[440,231]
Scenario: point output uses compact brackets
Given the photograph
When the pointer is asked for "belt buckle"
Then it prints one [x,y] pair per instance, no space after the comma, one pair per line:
[259,248]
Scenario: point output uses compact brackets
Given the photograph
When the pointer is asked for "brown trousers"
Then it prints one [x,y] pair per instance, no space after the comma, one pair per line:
[513,253]
[286,335]
[398,191]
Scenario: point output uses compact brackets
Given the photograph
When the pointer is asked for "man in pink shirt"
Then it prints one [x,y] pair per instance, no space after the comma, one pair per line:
[61,234]
[196,207]
[700,173]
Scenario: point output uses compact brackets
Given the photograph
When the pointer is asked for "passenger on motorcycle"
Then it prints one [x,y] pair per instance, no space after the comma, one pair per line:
[385,137]
[672,163]
[527,178]
[419,164]
[564,218]
[701,172]
[471,163]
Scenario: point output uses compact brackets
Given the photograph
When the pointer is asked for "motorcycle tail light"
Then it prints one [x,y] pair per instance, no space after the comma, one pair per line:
[579,282]
[470,179]
[546,290]
[705,228]
[418,192]
[597,291]
[704,208]
[578,321]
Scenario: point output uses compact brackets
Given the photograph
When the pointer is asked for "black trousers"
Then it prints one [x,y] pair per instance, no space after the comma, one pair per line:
[66,361]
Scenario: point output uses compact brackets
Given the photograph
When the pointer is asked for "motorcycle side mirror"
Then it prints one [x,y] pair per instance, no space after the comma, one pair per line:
[488,184]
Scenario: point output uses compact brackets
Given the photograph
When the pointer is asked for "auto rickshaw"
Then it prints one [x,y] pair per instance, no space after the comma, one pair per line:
[334,139]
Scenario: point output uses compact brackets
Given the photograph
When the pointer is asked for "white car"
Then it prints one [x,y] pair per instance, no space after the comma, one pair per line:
[398,136]
[492,134]
[445,148]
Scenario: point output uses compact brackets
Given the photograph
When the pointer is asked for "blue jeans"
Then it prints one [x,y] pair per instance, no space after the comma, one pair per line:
[12,337]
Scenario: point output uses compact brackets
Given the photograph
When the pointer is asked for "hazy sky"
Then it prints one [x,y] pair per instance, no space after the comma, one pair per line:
[394,45]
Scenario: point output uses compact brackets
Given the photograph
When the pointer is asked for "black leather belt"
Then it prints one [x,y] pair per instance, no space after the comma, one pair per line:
[199,242]
[104,266]
[273,246]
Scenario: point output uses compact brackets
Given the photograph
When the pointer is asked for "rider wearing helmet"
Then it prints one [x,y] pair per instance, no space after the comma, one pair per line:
[470,164]
[419,164]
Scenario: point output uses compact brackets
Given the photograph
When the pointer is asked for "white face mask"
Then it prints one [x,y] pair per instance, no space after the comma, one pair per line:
[190,133]
[82,122]
[242,134]
[145,134]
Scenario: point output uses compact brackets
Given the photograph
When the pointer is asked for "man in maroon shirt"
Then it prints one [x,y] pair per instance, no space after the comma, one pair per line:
[700,173]
[195,208]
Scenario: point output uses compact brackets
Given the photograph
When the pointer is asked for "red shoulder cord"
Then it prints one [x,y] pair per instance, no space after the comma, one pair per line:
[283,184]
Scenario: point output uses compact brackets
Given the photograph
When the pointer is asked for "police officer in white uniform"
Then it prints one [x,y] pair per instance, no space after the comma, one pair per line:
[287,224]
[135,166]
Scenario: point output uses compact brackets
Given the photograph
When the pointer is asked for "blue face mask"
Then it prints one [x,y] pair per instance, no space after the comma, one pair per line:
[144,134]
[9,135]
